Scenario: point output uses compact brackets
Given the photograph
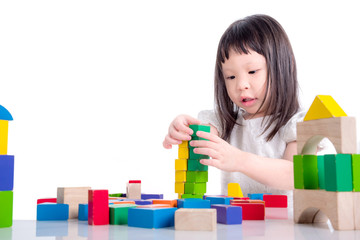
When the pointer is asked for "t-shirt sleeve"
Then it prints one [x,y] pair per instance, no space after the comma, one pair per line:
[209,117]
[288,132]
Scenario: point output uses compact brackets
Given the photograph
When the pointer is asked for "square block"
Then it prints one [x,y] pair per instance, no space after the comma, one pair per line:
[187,195]
[193,203]
[196,176]
[193,155]
[179,187]
[72,196]
[196,128]
[119,213]
[338,172]
[252,211]
[133,190]
[6,172]
[356,172]
[6,208]
[180,176]
[195,165]
[183,153]
[298,172]
[227,214]
[275,201]
[52,212]
[151,217]
[189,219]
[83,212]
[98,207]
[184,144]
[219,200]
[195,188]
[180,164]
[234,190]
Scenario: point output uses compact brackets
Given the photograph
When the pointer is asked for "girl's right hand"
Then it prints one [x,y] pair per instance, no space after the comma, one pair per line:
[179,130]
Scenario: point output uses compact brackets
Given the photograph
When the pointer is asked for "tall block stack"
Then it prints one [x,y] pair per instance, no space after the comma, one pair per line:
[6,172]
[190,175]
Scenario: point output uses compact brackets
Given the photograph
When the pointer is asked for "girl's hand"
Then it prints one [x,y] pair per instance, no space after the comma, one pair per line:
[179,130]
[224,156]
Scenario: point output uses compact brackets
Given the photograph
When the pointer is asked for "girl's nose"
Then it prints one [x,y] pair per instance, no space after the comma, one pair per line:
[243,84]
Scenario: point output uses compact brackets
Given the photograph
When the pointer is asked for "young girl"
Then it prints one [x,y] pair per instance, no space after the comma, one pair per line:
[253,127]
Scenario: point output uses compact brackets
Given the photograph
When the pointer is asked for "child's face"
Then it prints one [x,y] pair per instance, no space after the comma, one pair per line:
[245,79]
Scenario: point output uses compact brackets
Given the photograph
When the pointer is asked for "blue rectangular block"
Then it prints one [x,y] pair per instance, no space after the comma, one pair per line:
[193,203]
[219,200]
[145,196]
[83,212]
[52,211]
[6,172]
[257,196]
[151,217]
[227,214]
[141,202]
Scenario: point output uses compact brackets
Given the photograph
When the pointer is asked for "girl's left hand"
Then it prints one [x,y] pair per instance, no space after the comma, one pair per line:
[223,155]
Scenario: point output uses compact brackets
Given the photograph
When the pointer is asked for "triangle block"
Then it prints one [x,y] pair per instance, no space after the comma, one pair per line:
[324,106]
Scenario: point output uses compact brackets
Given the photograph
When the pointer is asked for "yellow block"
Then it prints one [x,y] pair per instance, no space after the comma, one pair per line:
[234,190]
[179,187]
[3,136]
[324,106]
[180,164]
[183,153]
[180,176]
[184,144]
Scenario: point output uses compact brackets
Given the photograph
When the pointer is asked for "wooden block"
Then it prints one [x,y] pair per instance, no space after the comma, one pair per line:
[3,136]
[194,188]
[195,219]
[124,202]
[310,171]
[193,203]
[187,195]
[257,196]
[73,196]
[179,187]
[195,165]
[356,198]
[227,214]
[196,128]
[180,164]
[234,190]
[52,212]
[154,206]
[133,190]
[46,200]
[196,156]
[151,217]
[324,106]
[83,212]
[142,202]
[5,114]
[119,213]
[338,172]
[356,172]
[275,201]
[298,172]
[145,196]
[6,208]
[180,176]
[6,172]
[337,206]
[184,144]
[321,171]
[98,208]
[252,211]
[183,153]
[172,203]
[197,176]
[219,200]
[341,131]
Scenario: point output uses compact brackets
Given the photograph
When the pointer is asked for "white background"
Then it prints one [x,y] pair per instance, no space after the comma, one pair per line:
[93,85]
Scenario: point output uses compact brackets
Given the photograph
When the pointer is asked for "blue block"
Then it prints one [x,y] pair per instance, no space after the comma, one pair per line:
[193,203]
[152,196]
[151,217]
[141,202]
[52,211]
[6,172]
[83,212]
[227,214]
[257,196]
[219,200]
[5,114]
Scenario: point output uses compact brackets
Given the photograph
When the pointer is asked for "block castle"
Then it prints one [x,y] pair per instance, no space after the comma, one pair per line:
[329,184]
[190,175]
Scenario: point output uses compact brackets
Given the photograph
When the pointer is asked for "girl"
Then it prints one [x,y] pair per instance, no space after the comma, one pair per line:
[253,127]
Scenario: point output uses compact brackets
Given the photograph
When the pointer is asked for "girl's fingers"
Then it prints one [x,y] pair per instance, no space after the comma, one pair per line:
[168,141]
[179,135]
[207,151]
[208,136]
[210,162]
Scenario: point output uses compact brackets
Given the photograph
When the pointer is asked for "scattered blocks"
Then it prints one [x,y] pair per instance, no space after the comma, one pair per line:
[275,201]
[234,190]
[252,211]
[52,212]
[151,217]
[6,208]
[133,189]
[119,213]
[83,212]
[6,172]
[193,203]
[72,196]
[195,219]
[227,214]
[98,207]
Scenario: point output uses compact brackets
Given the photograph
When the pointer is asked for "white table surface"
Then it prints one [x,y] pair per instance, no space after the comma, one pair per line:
[269,229]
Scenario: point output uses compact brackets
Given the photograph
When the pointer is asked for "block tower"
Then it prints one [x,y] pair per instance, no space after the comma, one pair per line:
[329,184]
[6,171]
[190,175]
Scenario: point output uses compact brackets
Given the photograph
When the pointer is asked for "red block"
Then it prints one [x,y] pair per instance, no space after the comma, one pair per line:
[252,211]
[46,200]
[98,207]
[278,201]
[134,181]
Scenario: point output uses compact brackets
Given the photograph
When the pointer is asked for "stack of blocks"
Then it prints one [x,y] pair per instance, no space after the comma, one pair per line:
[331,178]
[6,171]
[190,175]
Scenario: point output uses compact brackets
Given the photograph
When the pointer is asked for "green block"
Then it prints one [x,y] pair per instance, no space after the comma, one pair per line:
[119,213]
[193,155]
[298,172]
[338,173]
[321,171]
[195,165]
[311,178]
[183,196]
[6,208]
[116,195]
[194,188]
[196,128]
[356,172]
[197,176]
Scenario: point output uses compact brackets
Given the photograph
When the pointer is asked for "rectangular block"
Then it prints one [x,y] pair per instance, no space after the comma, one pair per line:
[3,136]
[6,208]
[119,213]
[133,190]
[195,188]
[227,214]
[193,155]
[197,176]
[196,128]
[356,172]
[72,196]
[219,200]
[181,164]
[180,176]
[298,172]
[98,208]
[321,171]
[52,212]
[257,196]
[188,219]
[6,172]
[252,211]
[171,203]
[183,153]
[145,196]
[151,217]
[179,187]
[311,178]
[234,190]
[195,165]
[83,212]
[193,203]
[338,172]
[275,201]
[46,200]
[187,195]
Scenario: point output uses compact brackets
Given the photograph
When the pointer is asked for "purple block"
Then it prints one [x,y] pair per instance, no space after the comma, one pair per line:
[227,214]
[142,202]
[145,196]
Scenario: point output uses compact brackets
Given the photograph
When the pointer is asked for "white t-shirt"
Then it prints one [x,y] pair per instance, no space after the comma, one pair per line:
[248,137]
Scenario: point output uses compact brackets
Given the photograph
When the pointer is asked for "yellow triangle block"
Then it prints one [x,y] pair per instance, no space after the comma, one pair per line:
[324,106]
[234,190]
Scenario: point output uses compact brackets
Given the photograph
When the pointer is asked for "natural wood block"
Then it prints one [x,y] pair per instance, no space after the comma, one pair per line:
[356,198]
[341,131]
[338,172]
[234,190]
[73,196]
[195,219]
[133,190]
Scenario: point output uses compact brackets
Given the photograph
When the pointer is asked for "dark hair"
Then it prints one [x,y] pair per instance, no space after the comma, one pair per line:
[264,35]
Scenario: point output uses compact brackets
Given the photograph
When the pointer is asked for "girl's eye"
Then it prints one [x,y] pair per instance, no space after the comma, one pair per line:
[230,77]
[252,72]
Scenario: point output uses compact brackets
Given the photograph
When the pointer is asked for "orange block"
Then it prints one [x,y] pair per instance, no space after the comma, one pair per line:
[124,202]
[154,206]
[172,203]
